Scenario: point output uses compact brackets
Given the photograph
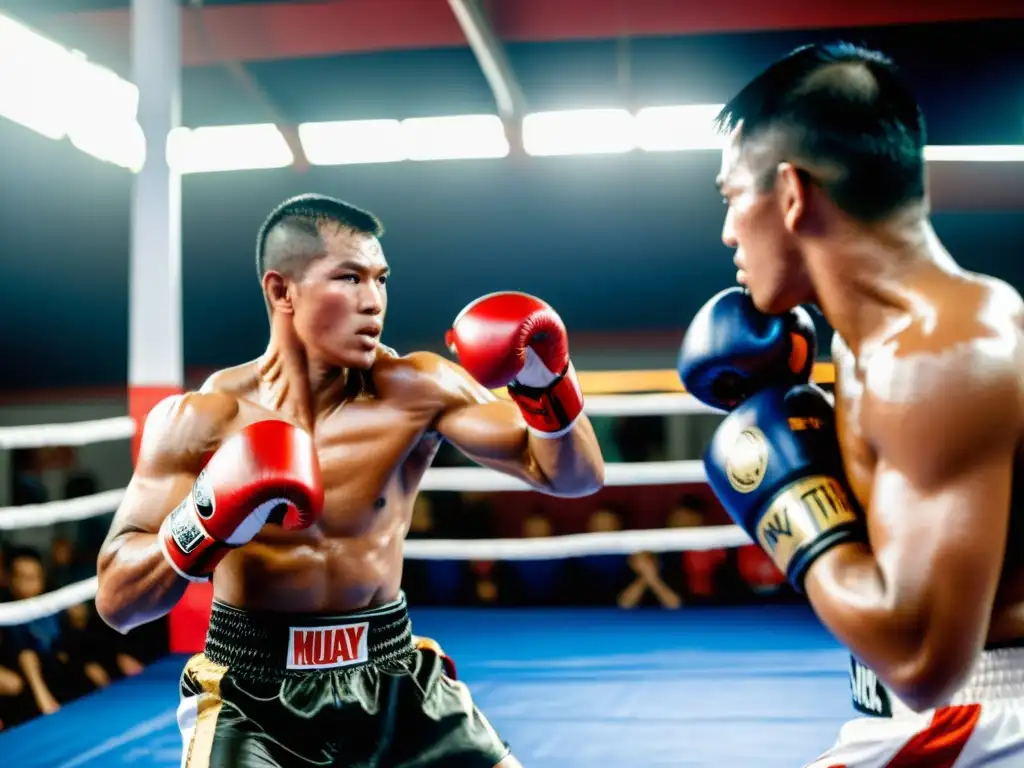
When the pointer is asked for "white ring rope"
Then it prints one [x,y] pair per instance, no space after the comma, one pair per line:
[73,433]
[554,547]
[24,611]
[435,479]
[123,427]
[580,544]
[51,512]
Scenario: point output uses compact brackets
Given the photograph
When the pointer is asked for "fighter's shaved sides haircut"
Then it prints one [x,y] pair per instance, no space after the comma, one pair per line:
[291,235]
[844,116]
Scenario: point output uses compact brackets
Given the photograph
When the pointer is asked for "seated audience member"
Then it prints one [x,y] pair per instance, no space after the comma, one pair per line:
[5,582]
[537,582]
[13,700]
[758,572]
[27,484]
[61,563]
[38,646]
[95,648]
[93,530]
[697,573]
[647,568]
[599,579]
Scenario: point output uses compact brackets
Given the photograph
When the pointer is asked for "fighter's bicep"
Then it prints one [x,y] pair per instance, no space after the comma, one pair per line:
[494,435]
[954,529]
[939,548]
[177,434]
[492,430]
[148,499]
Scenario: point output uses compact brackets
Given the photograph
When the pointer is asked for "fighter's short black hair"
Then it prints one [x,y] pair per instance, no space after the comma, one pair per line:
[291,233]
[842,108]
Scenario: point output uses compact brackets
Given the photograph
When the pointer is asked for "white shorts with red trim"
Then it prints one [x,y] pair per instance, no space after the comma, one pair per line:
[982,725]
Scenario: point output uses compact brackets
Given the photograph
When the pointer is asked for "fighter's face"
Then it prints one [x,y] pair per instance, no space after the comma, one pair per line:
[767,257]
[340,299]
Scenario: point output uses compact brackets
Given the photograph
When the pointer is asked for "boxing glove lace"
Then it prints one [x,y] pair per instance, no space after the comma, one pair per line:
[732,350]
[774,464]
[517,341]
[267,472]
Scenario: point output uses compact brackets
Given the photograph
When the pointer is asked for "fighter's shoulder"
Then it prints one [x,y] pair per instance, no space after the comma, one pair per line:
[950,377]
[188,424]
[237,380]
[425,378]
[1003,304]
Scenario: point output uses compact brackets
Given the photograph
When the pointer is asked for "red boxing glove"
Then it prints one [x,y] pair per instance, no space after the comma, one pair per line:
[516,340]
[268,471]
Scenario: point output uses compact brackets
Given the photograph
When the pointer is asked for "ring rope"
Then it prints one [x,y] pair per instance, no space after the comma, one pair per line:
[435,479]
[123,427]
[62,511]
[69,433]
[553,547]
[32,608]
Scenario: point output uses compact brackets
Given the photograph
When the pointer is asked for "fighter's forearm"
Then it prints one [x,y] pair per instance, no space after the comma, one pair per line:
[571,464]
[136,583]
[885,630]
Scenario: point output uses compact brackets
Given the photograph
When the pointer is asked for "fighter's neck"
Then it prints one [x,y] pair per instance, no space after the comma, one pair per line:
[864,281]
[297,386]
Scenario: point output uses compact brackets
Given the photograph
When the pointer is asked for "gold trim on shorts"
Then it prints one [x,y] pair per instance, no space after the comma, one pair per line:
[207,676]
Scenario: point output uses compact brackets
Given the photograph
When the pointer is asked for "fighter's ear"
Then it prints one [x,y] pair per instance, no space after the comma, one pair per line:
[791,186]
[275,289]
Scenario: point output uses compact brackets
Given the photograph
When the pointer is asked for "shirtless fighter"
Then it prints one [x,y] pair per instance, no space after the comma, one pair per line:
[896,512]
[290,481]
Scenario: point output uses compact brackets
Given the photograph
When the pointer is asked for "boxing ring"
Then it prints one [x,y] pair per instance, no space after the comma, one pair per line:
[763,686]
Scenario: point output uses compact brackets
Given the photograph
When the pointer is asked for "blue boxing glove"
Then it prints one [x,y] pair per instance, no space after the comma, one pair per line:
[731,350]
[774,464]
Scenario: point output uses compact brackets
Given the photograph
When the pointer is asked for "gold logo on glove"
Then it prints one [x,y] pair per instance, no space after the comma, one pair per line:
[800,514]
[747,460]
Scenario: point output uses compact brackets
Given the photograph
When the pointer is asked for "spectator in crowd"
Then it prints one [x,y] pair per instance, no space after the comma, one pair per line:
[698,573]
[758,572]
[95,648]
[61,556]
[647,568]
[538,582]
[5,582]
[92,531]
[13,709]
[52,675]
[599,579]
[27,482]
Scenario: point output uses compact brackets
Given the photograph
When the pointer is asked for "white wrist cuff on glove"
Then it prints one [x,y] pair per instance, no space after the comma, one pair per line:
[553,435]
[534,373]
[166,540]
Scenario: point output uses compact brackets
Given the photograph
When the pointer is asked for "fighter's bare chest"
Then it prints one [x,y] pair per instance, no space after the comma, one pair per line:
[369,455]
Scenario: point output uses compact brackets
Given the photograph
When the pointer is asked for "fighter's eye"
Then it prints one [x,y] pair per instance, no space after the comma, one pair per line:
[382,279]
[349,278]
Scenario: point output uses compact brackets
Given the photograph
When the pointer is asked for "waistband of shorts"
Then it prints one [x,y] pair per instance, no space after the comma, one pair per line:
[997,676]
[269,644]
